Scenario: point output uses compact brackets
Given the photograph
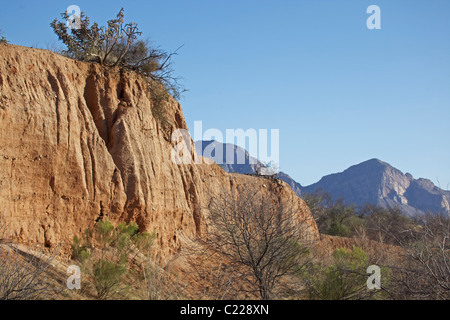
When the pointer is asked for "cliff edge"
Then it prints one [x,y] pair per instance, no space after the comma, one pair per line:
[79,143]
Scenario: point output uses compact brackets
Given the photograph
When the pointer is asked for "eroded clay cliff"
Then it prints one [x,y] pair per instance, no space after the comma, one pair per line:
[79,143]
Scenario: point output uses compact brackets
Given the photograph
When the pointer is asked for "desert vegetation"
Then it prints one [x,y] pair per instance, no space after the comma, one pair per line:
[256,246]
[418,266]
[256,249]
[118,44]
[262,238]
[115,262]
[26,272]
[343,277]
[2,38]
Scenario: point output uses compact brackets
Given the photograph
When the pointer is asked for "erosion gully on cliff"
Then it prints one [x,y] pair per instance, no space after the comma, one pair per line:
[79,142]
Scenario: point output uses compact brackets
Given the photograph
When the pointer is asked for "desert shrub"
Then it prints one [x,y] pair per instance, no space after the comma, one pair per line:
[423,272]
[80,251]
[108,277]
[128,235]
[260,235]
[124,234]
[341,220]
[344,278]
[337,222]
[2,39]
[151,281]
[419,246]
[118,44]
[24,272]
[157,283]
[104,233]
[388,225]
[319,204]
[143,241]
[333,217]
[106,254]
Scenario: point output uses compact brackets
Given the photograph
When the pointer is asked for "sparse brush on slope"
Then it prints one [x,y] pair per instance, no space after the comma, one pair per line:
[107,254]
[424,272]
[344,278]
[24,272]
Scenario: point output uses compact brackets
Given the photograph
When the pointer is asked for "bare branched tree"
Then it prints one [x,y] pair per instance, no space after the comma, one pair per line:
[262,234]
[160,284]
[24,271]
[390,226]
[425,269]
[214,277]
[319,204]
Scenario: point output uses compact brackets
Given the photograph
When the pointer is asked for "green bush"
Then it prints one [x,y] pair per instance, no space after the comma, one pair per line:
[108,277]
[3,39]
[105,254]
[341,220]
[80,251]
[389,225]
[345,278]
[333,217]
[104,233]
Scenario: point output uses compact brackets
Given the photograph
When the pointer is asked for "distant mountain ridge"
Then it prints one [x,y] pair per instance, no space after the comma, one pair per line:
[242,161]
[379,183]
[373,181]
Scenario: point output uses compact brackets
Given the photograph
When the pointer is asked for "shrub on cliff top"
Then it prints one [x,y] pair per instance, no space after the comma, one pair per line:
[117,44]
[2,38]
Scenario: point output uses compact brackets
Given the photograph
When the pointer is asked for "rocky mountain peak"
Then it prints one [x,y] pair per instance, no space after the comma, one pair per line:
[373,181]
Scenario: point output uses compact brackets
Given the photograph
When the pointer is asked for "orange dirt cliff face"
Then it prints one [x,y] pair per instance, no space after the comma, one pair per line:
[79,142]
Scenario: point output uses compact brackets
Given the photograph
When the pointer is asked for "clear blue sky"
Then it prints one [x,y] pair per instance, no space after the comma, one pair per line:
[339,93]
